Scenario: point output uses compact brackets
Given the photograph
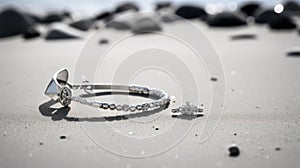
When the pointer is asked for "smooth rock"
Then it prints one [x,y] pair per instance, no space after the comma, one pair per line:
[282,22]
[264,16]
[291,6]
[163,5]
[118,24]
[52,17]
[250,8]
[104,16]
[127,6]
[226,19]
[31,33]
[83,25]
[59,34]
[145,25]
[191,12]
[13,22]
[234,151]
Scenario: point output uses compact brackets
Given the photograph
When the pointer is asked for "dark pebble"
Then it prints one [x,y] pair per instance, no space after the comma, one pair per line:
[250,8]
[243,37]
[282,22]
[31,33]
[41,143]
[52,17]
[13,22]
[234,134]
[214,79]
[62,137]
[126,7]
[163,5]
[226,19]
[234,151]
[156,128]
[103,41]
[56,34]
[191,12]
[104,16]
[291,5]
[277,148]
[293,54]
[83,25]
[264,16]
[146,25]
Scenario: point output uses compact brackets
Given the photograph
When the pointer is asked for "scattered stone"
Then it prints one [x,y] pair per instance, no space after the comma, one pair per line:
[234,151]
[234,134]
[13,22]
[31,33]
[191,12]
[265,16]
[293,53]
[291,6]
[282,22]
[103,41]
[163,5]
[41,143]
[250,8]
[156,128]
[214,79]
[169,18]
[145,25]
[257,107]
[126,7]
[104,16]
[52,17]
[119,25]
[83,25]
[226,19]
[243,37]
[196,134]
[62,137]
[277,148]
[56,34]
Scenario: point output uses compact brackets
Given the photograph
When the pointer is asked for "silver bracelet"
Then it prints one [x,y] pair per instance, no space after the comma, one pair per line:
[60,90]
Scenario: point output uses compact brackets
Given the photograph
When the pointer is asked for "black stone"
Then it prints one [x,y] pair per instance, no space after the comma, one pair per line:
[13,22]
[31,33]
[146,25]
[52,17]
[156,128]
[119,25]
[293,53]
[291,6]
[127,6]
[243,36]
[277,148]
[250,8]
[226,19]
[191,12]
[163,5]
[214,79]
[103,41]
[234,151]
[265,16]
[104,15]
[62,137]
[83,25]
[56,34]
[282,22]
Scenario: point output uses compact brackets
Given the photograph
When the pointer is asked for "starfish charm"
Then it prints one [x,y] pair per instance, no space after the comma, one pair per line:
[187,109]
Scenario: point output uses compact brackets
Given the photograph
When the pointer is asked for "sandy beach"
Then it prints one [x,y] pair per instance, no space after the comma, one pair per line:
[260,111]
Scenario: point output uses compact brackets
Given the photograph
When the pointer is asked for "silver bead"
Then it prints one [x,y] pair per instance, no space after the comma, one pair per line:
[125,107]
[119,107]
[132,108]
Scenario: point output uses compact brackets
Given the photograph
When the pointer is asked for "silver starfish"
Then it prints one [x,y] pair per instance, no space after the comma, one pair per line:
[187,109]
